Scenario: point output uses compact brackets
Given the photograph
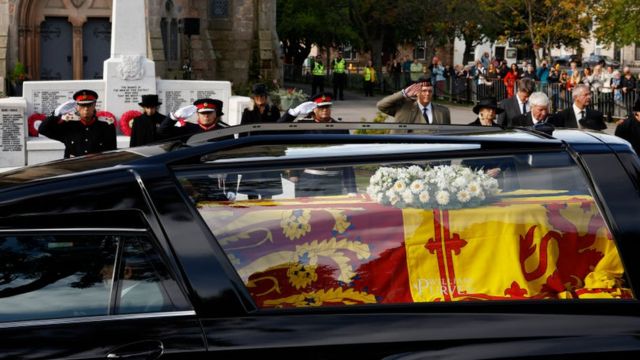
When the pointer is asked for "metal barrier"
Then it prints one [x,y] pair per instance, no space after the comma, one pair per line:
[468,90]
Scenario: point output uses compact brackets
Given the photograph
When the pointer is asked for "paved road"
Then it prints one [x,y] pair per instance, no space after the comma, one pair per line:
[357,107]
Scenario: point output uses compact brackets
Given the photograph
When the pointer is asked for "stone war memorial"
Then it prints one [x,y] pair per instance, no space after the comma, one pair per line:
[128,74]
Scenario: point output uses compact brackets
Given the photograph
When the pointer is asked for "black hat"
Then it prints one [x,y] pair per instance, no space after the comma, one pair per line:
[149,101]
[636,105]
[83,97]
[259,89]
[323,99]
[209,105]
[488,102]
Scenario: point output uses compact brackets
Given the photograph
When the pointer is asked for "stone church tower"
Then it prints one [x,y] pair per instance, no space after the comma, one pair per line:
[231,40]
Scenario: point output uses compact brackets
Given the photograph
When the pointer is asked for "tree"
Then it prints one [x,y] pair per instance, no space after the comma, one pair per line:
[546,23]
[472,23]
[618,21]
[303,23]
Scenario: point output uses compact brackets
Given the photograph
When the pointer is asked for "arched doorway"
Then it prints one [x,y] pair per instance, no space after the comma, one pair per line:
[64,39]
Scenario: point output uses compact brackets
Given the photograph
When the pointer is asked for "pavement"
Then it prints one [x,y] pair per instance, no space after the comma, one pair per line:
[357,107]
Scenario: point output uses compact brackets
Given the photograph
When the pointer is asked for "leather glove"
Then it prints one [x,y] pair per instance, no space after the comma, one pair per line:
[67,107]
[184,112]
[304,108]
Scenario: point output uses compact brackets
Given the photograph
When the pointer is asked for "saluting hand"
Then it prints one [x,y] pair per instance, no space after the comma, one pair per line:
[184,112]
[413,89]
[66,108]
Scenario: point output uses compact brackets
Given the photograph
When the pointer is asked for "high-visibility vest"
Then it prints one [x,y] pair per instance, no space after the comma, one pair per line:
[339,66]
[369,74]
[318,69]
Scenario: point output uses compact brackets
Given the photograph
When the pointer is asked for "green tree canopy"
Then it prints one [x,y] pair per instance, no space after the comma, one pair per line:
[618,21]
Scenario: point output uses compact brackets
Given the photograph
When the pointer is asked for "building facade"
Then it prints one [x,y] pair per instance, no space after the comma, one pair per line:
[233,40]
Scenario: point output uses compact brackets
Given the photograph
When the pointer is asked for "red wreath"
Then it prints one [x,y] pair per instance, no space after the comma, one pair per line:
[34,123]
[126,121]
[106,117]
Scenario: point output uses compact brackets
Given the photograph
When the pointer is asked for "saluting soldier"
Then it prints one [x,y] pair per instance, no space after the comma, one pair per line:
[75,124]
[319,181]
[209,113]
[144,128]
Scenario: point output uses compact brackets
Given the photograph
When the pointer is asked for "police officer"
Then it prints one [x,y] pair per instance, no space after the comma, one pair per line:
[75,124]
[339,67]
[144,128]
[317,75]
[319,181]
[209,113]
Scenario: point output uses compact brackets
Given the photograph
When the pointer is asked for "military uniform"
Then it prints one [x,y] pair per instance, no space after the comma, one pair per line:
[322,181]
[168,128]
[80,137]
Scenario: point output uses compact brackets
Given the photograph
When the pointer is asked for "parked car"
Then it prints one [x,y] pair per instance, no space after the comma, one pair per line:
[452,241]
[593,60]
[565,60]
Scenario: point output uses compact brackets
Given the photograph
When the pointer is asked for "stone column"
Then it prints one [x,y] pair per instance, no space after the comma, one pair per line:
[128,73]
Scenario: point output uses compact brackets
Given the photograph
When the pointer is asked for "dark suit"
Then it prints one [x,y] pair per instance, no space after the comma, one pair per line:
[567,119]
[512,109]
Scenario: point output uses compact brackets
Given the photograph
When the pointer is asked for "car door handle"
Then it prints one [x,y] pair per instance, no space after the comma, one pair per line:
[141,350]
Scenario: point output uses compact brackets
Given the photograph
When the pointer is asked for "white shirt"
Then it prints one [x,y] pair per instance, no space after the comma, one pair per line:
[577,110]
[526,107]
[429,111]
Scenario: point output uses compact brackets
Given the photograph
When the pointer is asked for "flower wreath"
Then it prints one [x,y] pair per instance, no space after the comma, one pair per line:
[126,121]
[106,116]
[444,186]
[34,122]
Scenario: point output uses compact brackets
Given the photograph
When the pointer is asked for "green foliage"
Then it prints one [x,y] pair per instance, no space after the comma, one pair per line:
[543,23]
[19,73]
[618,21]
[380,118]
[287,98]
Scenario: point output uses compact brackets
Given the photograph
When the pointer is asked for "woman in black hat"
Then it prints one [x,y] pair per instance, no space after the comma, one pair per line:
[144,128]
[487,109]
[260,111]
[629,129]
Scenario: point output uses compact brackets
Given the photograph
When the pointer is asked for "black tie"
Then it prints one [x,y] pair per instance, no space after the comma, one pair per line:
[524,108]
[582,115]
[424,113]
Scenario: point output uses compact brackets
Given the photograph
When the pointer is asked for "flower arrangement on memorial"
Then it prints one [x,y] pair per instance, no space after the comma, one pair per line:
[443,186]
[288,98]
[34,122]
[126,121]
[106,116]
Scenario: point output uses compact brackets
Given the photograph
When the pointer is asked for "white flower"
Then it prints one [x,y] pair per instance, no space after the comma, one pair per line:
[424,197]
[399,186]
[407,196]
[463,196]
[417,186]
[393,199]
[474,188]
[460,182]
[442,197]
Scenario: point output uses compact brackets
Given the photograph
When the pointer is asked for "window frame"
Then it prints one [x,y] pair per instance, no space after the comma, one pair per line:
[113,302]
[498,150]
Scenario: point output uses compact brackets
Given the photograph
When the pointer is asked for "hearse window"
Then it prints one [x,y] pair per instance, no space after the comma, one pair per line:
[48,276]
[512,227]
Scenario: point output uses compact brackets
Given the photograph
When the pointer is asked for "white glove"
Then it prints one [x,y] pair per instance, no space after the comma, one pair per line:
[184,112]
[65,108]
[304,108]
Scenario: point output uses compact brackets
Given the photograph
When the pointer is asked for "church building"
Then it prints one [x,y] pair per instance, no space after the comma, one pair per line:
[233,40]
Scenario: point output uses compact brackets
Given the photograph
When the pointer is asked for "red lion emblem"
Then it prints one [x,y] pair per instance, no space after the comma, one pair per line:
[575,259]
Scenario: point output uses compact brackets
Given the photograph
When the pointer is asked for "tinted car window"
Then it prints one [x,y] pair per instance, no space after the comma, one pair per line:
[511,227]
[70,275]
